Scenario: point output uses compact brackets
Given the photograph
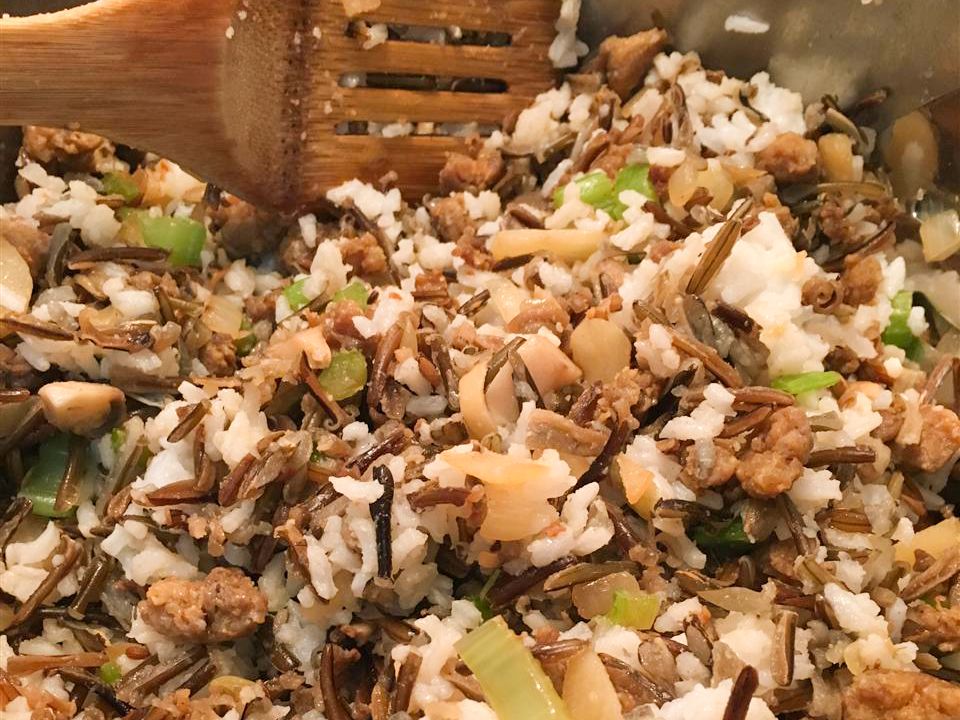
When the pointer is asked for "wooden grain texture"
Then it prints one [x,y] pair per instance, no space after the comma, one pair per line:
[256,113]
[492,15]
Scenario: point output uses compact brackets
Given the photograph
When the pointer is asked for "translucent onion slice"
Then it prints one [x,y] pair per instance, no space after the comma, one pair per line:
[548,365]
[836,157]
[223,315]
[912,153]
[588,691]
[517,491]
[934,540]
[16,284]
[638,485]
[940,234]
[506,298]
[483,411]
[596,597]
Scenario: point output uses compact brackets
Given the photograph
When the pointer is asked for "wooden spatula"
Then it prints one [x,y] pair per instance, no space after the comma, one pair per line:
[260,97]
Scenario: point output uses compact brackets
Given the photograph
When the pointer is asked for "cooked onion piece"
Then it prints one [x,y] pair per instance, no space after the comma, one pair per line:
[484,411]
[506,298]
[310,343]
[548,365]
[940,235]
[596,597]
[16,284]
[569,245]
[517,491]
[638,485]
[223,315]
[934,540]
[836,157]
[588,691]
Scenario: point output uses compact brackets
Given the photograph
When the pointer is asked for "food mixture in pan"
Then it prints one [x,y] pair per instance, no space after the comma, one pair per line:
[651,413]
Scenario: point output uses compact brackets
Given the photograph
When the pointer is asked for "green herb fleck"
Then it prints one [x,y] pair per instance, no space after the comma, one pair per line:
[355,291]
[296,297]
[806,382]
[898,330]
[110,673]
[122,184]
[723,539]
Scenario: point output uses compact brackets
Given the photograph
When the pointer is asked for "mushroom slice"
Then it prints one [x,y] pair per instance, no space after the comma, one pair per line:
[82,408]
[600,348]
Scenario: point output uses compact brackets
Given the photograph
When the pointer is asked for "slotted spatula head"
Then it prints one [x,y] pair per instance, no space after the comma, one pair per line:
[278,100]
[493,62]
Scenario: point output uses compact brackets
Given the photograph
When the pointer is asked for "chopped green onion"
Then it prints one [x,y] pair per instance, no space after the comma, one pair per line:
[245,343]
[118,436]
[296,297]
[110,673]
[598,190]
[483,605]
[898,331]
[512,680]
[806,382]
[355,291]
[722,539]
[183,238]
[635,177]
[117,183]
[480,599]
[346,375]
[42,481]
[634,610]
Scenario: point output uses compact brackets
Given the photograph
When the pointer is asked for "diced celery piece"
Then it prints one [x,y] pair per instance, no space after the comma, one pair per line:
[634,610]
[635,177]
[118,183]
[296,297]
[355,291]
[183,238]
[806,382]
[512,680]
[346,375]
[898,330]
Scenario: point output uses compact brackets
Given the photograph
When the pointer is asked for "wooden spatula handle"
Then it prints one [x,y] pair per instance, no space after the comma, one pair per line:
[159,75]
[117,67]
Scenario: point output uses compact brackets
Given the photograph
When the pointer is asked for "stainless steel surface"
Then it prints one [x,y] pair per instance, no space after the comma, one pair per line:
[841,47]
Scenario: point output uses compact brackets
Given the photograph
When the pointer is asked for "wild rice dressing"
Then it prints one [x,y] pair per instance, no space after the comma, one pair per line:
[653,412]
